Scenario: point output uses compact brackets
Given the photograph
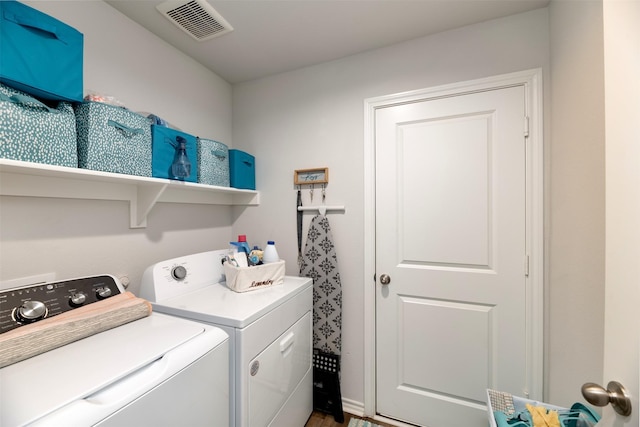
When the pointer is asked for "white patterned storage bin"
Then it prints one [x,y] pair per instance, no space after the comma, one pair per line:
[243,279]
[113,139]
[31,131]
[213,162]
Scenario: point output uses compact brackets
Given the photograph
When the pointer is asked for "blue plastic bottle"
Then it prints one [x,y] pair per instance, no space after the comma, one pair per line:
[242,244]
[181,166]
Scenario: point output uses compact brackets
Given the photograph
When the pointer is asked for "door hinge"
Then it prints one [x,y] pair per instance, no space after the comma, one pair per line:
[526,266]
[526,126]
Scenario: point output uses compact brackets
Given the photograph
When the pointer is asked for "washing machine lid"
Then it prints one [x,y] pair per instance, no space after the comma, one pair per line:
[42,384]
[219,305]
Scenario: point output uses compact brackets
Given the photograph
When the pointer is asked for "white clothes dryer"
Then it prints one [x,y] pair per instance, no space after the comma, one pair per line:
[155,371]
[270,330]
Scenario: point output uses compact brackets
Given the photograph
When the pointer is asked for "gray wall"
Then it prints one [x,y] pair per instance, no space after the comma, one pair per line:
[83,237]
[313,117]
[576,200]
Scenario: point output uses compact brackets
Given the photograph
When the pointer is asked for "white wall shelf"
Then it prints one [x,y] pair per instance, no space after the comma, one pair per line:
[39,180]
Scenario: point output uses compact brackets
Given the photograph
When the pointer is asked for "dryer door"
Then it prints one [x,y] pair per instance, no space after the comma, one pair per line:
[276,372]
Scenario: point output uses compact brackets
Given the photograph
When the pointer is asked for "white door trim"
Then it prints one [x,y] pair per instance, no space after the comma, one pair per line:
[532,81]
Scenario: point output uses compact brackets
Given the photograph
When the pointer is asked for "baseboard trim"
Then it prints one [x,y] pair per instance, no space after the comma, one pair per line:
[353,407]
[357,409]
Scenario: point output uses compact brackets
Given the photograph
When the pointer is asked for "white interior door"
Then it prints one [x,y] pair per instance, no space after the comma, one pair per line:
[622,109]
[451,235]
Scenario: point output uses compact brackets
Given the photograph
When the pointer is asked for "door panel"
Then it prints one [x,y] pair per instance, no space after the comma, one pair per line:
[470,355]
[450,231]
[622,152]
[451,157]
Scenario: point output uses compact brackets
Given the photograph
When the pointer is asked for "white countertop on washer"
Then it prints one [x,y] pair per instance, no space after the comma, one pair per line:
[218,304]
[37,386]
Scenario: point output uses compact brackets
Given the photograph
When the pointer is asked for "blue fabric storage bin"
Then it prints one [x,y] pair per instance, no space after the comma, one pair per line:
[39,54]
[113,139]
[213,162]
[33,132]
[164,151]
[242,169]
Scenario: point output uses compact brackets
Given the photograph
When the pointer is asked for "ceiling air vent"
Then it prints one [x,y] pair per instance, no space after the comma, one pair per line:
[197,18]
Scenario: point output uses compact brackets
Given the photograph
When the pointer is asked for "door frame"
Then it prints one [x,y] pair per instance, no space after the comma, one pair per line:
[532,82]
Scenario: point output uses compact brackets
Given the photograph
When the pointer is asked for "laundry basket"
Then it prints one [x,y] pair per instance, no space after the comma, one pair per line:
[506,410]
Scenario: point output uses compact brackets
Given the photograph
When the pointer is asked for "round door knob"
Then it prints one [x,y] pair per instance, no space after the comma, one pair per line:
[31,311]
[614,394]
[385,279]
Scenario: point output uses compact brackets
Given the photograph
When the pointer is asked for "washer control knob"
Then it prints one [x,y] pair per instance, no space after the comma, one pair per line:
[103,293]
[30,311]
[179,272]
[77,300]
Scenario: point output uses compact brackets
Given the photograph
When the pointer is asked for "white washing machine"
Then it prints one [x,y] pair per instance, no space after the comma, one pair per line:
[271,380]
[154,371]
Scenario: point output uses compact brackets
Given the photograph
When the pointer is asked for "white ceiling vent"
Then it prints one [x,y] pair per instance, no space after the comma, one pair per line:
[196,17]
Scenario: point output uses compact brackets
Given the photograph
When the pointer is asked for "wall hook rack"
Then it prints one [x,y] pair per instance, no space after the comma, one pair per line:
[322,209]
[312,177]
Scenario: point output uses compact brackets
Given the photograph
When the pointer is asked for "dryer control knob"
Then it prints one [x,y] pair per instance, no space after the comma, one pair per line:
[30,311]
[179,272]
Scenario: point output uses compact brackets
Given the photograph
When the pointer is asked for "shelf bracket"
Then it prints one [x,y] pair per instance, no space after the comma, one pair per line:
[143,201]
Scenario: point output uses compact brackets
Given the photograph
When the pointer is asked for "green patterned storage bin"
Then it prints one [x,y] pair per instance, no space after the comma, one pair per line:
[213,163]
[113,139]
[31,131]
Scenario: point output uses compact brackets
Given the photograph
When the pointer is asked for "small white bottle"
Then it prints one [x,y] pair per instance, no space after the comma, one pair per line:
[270,253]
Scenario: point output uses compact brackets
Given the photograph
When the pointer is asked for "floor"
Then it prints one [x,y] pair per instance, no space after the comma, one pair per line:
[320,419]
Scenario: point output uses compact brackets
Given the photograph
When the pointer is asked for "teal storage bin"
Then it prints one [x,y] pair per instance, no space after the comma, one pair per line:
[165,142]
[213,162]
[242,169]
[31,131]
[39,54]
[113,139]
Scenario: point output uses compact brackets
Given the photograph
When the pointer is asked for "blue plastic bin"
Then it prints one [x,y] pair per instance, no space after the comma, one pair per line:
[164,147]
[39,54]
[242,169]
